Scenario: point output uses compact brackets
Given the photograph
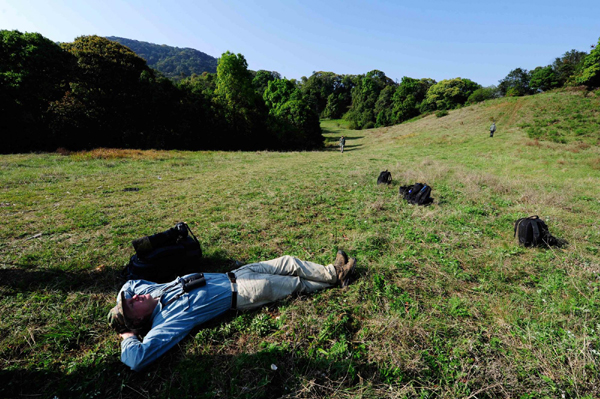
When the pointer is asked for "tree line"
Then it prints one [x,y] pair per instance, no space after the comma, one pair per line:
[95,92]
[374,100]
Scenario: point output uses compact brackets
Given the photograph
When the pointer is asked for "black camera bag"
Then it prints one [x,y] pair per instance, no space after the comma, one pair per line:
[385,177]
[177,256]
[533,232]
[417,194]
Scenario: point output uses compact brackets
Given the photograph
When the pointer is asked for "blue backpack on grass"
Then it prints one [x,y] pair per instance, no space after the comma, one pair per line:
[417,194]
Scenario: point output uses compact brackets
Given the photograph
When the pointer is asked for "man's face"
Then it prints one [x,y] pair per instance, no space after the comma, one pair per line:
[139,307]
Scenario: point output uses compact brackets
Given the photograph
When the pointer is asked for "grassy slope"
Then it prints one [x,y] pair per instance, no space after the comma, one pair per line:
[446,304]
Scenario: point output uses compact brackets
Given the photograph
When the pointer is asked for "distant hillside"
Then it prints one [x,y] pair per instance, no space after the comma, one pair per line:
[171,61]
[561,116]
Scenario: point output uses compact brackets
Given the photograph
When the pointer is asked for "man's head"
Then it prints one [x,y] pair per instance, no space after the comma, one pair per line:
[131,314]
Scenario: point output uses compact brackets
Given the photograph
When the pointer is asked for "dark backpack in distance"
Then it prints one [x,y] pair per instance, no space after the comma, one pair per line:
[164,256]
[385,177]
[418,194]
[533,232]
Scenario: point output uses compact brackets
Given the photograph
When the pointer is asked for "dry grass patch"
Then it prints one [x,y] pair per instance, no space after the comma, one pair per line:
[117,153]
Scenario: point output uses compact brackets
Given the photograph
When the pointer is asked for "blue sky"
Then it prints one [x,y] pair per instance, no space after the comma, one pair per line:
[480,40]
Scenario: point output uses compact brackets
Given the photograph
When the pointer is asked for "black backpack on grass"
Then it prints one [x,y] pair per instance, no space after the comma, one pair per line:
[533,232]
[385,177]
[164,256]
[418,194]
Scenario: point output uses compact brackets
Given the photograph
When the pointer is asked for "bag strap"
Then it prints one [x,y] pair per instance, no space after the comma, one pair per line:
[517,224]
[190,231]
[536,230]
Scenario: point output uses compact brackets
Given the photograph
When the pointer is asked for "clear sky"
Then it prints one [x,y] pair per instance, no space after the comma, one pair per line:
[441,39]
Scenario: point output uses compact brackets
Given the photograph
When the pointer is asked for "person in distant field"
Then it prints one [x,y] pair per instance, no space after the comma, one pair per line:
[492,129]
[165,313]
[342,144]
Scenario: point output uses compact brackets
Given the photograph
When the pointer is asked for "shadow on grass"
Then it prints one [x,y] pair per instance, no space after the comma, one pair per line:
[272,372]
[347,148]
[28,278]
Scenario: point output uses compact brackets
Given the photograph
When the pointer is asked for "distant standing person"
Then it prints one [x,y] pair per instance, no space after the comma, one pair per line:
[492,129]
[342,144]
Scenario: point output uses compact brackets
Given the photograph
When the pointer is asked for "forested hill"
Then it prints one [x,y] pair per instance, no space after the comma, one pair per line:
[173,62]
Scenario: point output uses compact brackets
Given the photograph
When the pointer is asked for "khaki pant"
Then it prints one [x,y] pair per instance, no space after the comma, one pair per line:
[265,282]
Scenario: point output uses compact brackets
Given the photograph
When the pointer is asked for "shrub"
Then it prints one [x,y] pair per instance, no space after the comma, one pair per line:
[441,113]
[590,74]
[482,94]
[448,94]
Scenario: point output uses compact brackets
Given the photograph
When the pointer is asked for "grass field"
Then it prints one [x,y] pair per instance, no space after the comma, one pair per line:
[446,304]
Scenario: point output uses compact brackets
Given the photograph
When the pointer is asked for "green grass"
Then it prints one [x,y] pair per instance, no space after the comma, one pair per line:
[446,303]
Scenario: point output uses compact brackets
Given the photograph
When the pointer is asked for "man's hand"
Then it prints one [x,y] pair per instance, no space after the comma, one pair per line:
[127,334]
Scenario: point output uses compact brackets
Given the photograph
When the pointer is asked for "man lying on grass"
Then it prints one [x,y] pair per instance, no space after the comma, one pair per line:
[165,313]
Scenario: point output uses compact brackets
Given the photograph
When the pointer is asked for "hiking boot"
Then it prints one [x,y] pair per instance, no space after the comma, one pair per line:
[340,260]
[345,272]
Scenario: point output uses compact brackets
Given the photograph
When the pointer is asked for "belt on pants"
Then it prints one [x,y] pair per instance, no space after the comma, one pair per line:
[234,291]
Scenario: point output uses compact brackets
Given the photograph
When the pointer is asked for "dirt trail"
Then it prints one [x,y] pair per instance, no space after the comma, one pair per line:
[514,113]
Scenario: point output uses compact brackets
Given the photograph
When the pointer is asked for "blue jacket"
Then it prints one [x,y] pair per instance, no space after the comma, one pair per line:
[171,323]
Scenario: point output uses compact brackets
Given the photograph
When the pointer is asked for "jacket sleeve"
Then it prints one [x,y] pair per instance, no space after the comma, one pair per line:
[139,354]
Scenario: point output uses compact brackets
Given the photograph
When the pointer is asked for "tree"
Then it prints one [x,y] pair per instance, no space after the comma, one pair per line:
[408,98]
[383,107]
[105,104]
[568,66]
[279,92]
[261,80]
[516,83]
[362,111]
[292,122]
[33,73]
[244,111]
[590,73]
[318,87]
[543,79]
[449,94]
[205,84]
[482,94]
[340,100]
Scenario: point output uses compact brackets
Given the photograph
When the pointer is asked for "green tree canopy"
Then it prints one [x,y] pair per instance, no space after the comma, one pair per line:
[292,121]
[590,73]
[340,100]
[244,111]
[364,96]
[544,78]
[204,84]
[449,94]
[383,107]
[33,73]
[106,65]
[567,66]
[105,97]
[484,93]
[261,80]
[318,87]
[516,83]
[408,98]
